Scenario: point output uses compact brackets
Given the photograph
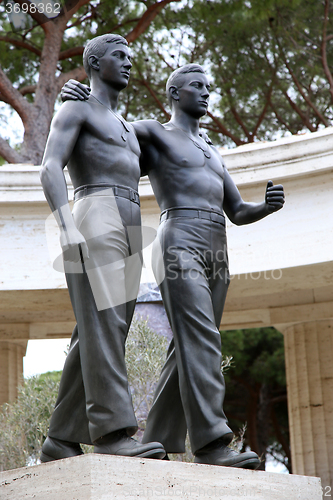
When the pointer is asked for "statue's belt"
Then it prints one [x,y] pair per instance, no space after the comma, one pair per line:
[192,213]
[121,191]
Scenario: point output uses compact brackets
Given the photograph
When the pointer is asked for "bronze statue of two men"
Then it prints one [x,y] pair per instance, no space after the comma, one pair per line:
[102,251]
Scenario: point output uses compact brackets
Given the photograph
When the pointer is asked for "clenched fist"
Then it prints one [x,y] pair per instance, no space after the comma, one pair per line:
[274,197]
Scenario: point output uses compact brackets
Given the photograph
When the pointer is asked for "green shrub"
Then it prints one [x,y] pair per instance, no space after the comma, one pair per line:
[24,423]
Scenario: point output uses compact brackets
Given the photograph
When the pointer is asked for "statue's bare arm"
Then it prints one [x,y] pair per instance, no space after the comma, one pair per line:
[241,212]
[64,132]
[145,131]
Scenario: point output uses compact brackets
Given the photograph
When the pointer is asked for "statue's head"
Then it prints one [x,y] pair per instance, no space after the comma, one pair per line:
[97,47]
[193,79]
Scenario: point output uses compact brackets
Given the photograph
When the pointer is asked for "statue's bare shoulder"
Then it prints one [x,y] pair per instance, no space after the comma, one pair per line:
[70,116]
[147,130]
[65,129]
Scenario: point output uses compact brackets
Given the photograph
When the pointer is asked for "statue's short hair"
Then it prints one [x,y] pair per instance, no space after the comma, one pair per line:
[97,47]
[176,79]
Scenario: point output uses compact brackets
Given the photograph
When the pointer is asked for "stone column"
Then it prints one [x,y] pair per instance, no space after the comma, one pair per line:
[11,369]
[309,370]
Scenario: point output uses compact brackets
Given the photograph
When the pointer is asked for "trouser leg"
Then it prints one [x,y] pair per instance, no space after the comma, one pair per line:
[69,420]
[98,361]
[193,293]
[166,420]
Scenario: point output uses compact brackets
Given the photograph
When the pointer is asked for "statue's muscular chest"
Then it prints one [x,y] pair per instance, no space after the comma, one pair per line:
[179,151]
[105,128]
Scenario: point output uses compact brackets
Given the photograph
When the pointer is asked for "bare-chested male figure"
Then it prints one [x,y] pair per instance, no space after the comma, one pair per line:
[102,258]
[193,189]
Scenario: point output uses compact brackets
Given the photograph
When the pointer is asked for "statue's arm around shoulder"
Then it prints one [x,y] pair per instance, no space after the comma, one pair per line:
[144,130]
[147,132]
[64,131]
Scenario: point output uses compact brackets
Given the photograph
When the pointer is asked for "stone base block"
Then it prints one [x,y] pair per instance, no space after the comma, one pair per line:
[106,477]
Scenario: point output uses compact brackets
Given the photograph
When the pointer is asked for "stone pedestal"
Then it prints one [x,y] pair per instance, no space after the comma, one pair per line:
[11,369]
[106,477]
[309,369]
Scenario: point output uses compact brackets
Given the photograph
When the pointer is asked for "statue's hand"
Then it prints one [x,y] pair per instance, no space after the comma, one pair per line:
[274,197]
[73,91]
[74,245]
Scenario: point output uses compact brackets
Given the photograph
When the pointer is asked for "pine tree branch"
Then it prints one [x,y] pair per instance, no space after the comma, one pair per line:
[76,73]
[147,18]
[237,116]
[28,89]
[121,25]
[298,110]
[278,399]
[279,117]
[80,20]
[263,113]
[299,87]
[294,106]
[162,58]
[9,153]
[92,15]
[210,128]
[223,130]
[260,119]
[144,82]
[12,96]
[156,99]
[20,43]
[68,14]
[74,51]
[324,48]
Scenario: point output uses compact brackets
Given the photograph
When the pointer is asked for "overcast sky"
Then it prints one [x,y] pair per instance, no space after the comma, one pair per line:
[44,356]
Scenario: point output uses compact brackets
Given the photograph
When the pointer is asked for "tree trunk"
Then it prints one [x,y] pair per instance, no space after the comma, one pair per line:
[38,122]
[263,423]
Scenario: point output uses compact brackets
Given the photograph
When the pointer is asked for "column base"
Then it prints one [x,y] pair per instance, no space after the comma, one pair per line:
[11,369]
[309,370]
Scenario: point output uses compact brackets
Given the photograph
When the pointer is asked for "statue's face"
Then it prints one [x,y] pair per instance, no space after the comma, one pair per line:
[115,65]
[194,94]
